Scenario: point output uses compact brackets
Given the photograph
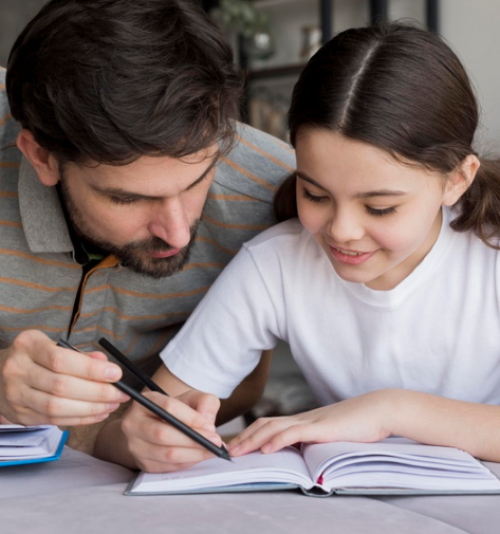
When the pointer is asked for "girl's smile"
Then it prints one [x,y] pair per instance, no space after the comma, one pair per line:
[350,257]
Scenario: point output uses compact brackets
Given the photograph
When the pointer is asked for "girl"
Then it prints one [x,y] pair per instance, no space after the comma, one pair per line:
[385,277]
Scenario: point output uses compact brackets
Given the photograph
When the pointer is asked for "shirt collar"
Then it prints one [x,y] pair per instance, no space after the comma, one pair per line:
[42,216]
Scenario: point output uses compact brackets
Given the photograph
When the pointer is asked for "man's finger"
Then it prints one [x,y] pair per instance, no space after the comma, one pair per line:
[71,387]
[69,362]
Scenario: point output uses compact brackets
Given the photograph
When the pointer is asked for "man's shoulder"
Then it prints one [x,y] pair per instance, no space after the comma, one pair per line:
[4,102]
[251,140]
[256,165]
[9,153]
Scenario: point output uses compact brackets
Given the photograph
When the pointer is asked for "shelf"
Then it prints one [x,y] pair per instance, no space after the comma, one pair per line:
[275,72]
[266,3]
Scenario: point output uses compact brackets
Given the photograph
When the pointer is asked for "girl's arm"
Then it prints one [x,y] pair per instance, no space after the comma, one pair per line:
[376,415]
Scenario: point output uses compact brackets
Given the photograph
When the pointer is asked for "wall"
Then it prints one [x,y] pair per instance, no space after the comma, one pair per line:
[13,16]
[471,28]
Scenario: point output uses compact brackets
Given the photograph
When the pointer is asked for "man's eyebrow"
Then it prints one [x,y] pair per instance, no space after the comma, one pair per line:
[119,192]
[365,194]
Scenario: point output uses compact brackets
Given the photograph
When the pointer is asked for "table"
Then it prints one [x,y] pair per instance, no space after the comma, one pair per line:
[79,494]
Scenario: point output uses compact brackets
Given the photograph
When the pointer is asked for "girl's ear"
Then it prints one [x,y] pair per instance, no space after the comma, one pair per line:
[460,179]
[42,160]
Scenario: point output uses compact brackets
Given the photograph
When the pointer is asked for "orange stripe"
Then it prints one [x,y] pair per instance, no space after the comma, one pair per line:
[157,346]
[10,223]
[9,165]
[9,309]
[248,174]
[42,327]
[38,260]
[10,194]
[257,227]
[132,317]
[38,287]
[5,119]
[2,87]
[211,196]
[215,244]
[161,342]
[207,265]
[146,295]
[267,155]
[109,333]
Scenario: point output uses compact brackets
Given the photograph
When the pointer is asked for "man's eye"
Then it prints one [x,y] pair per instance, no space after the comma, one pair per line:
[380,212]
[119,200]
[313,198]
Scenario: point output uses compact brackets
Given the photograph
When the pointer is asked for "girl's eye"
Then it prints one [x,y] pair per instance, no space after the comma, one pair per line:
[380,212]
[313,198]
[122,201]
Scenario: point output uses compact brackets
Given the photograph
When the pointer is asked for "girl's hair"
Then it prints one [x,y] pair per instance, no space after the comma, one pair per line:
[403,90]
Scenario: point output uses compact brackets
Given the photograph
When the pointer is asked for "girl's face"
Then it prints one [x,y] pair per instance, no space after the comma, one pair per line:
[375,218]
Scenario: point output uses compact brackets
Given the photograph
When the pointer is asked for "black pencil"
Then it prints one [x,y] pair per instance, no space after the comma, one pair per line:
[138,373]
[220,452]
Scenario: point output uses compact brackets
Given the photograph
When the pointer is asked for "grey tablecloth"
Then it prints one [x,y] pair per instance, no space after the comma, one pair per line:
[79,494]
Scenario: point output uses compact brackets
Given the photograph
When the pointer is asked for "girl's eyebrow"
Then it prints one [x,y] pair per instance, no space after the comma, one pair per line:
[366,194]
[306,178]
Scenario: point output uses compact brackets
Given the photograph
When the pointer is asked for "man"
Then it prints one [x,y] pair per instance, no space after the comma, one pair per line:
[126,186]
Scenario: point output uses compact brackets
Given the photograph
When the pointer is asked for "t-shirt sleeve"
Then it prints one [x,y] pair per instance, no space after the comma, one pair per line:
[222,341]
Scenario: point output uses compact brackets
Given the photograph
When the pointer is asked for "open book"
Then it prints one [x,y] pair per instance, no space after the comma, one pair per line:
[392,466]
[30,444]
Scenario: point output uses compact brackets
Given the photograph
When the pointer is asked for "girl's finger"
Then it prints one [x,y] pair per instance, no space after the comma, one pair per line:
[261,436]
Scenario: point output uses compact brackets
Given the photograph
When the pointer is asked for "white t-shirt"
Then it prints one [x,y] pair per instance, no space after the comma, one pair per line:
[438,331]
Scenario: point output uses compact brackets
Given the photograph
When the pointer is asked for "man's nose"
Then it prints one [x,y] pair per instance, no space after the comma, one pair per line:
[170,223]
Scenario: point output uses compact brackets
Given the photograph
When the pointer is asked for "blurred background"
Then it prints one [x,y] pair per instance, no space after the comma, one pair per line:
[273,39]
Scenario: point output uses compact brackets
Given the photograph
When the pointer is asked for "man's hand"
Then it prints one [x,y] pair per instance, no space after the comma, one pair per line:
[158,447]
[43,383]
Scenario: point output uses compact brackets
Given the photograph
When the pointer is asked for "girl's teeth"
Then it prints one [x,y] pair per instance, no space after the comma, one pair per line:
[348,253]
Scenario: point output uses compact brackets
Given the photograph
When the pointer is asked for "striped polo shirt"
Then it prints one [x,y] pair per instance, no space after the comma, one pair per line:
[39,277]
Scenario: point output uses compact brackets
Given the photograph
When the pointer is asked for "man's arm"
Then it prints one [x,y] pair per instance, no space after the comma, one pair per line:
[141,440]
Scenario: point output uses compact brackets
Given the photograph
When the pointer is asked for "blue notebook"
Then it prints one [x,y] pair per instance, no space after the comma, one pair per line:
[20,445]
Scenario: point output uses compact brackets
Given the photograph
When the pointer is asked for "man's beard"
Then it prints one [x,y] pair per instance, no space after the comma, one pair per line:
[135,255]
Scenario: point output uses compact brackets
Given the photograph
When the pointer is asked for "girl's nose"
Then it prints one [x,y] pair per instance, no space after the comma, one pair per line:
[345,226]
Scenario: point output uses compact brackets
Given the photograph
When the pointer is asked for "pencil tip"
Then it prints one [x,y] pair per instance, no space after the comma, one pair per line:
[225,454]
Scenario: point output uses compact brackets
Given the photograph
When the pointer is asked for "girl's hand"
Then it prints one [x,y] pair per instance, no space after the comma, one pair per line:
[363,419]
[156,446]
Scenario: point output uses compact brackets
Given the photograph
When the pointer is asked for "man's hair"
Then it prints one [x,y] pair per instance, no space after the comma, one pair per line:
[112,80]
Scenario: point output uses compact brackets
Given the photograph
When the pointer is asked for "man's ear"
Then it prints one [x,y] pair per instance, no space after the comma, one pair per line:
[43,161]
[460,180]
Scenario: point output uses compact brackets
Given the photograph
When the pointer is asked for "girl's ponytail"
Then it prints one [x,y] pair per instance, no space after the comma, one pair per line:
[480,204]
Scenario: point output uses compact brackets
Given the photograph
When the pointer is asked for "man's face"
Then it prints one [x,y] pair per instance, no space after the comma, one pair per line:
[145,213]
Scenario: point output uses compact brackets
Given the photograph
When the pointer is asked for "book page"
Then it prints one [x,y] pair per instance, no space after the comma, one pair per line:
[284,466]
[29,442]
[397,463]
